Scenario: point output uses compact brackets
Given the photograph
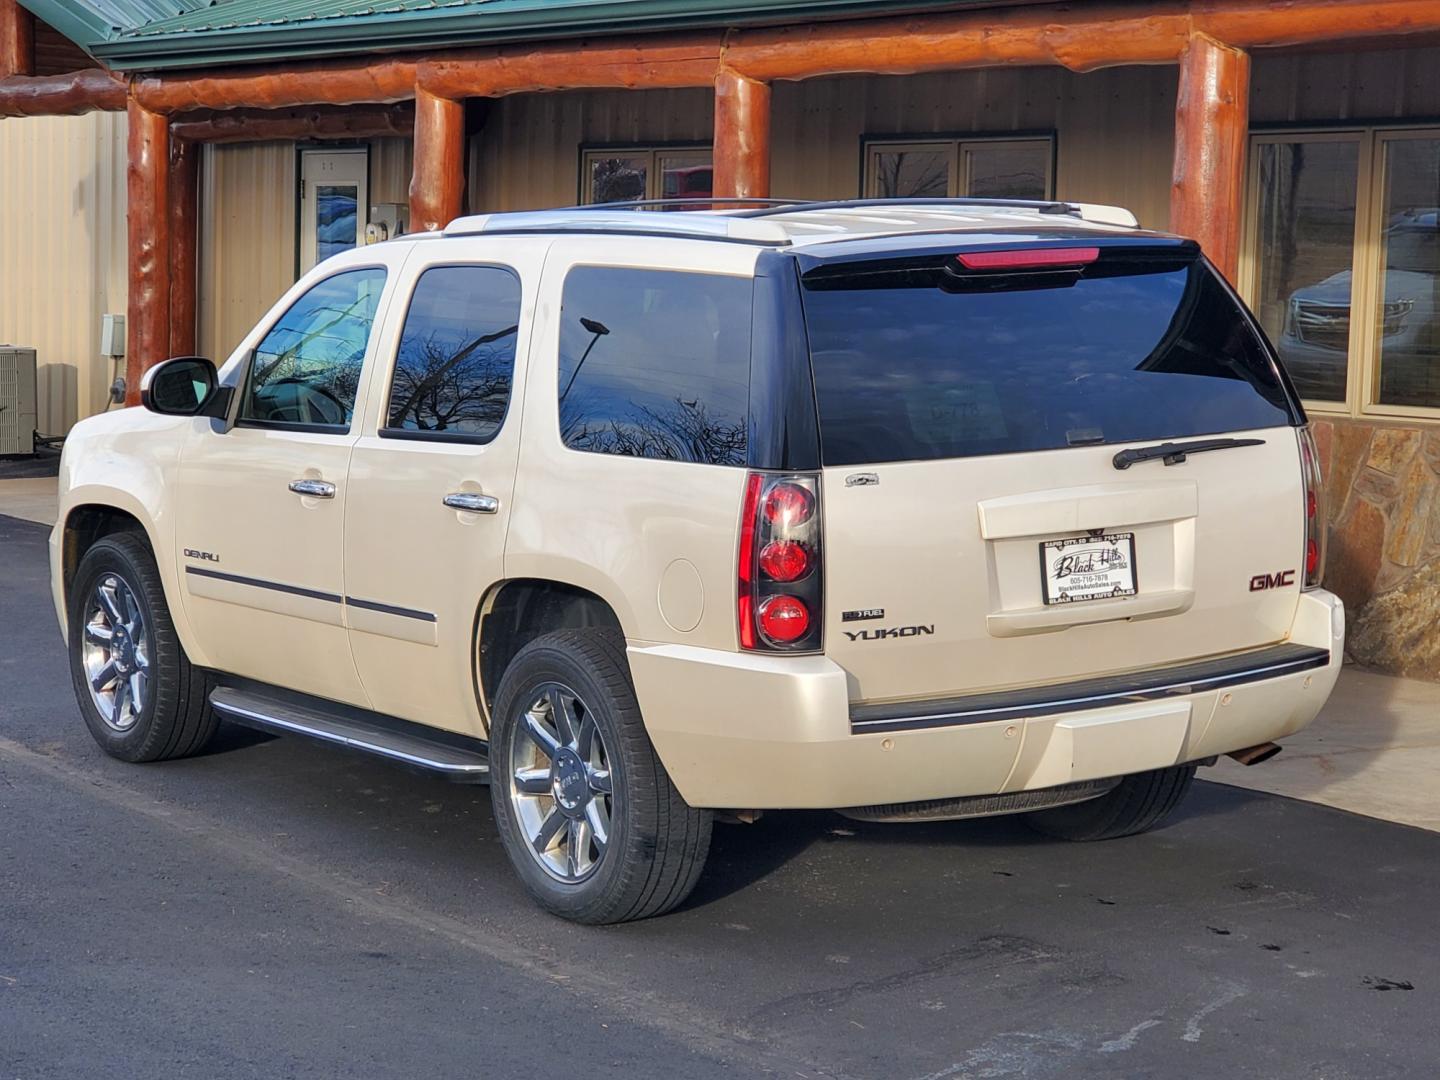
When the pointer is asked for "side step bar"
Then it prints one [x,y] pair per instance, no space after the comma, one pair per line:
[455,757]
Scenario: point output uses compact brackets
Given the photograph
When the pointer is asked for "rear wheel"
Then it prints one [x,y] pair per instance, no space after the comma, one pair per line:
[1135,805]
[141,697]
[586,811]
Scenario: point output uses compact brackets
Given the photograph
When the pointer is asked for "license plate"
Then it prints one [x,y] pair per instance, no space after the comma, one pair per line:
[1088,568]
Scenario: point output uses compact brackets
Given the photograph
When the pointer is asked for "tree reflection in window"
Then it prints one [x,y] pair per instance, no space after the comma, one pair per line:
[456,359]
[655,364]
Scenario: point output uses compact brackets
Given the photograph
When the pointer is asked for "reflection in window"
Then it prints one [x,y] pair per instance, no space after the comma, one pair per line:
[456,357]
[307,368]
[337,216]
[950,168]
[655,364]
[1407,321]
[632,174]
[1306,234]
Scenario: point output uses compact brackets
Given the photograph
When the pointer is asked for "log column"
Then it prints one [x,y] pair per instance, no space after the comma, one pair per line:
[148,216]
[1212,121]
[17,40]
[184,198]
[742,137]
[437,186]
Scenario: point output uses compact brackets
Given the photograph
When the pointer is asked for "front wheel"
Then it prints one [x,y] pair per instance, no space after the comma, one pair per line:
[586,811]
[1135,805]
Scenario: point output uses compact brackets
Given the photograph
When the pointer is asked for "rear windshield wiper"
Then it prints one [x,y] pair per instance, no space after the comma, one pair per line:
[1174,453]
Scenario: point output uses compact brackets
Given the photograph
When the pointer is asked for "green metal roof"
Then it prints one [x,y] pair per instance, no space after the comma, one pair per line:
[145,35]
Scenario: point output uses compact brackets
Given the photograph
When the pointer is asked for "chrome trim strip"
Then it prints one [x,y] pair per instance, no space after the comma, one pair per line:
[391,609]
[1313,658]
[271,721]
[260,583]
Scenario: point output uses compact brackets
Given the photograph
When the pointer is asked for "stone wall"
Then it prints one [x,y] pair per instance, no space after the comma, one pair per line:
[1383,492]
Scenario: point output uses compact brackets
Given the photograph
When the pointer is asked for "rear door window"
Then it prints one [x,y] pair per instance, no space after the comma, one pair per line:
[909,367]
[655,364]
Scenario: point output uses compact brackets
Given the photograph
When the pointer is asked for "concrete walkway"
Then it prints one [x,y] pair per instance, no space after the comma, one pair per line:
[31,500]
[1374,750]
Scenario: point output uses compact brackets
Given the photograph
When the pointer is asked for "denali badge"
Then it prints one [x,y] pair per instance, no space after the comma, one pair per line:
[208,556]
[862,614]
[889,632]
[1261,582]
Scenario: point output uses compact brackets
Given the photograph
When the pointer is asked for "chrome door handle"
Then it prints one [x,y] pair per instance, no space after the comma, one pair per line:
[472,502]
[315,489]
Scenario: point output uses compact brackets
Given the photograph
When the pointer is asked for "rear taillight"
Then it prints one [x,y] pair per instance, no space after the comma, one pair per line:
[779,566]
[1314,509]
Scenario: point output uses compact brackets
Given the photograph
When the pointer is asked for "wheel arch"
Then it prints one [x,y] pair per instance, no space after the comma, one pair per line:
[518,610]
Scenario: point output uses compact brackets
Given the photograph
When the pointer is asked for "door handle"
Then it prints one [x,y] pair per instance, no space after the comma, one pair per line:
[472,502]
[314,489]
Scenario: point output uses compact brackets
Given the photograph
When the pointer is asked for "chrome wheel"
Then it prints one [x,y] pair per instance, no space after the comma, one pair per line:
[116,653]
[560,785]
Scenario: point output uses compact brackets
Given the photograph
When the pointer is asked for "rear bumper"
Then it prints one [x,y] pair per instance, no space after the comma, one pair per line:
[758,732]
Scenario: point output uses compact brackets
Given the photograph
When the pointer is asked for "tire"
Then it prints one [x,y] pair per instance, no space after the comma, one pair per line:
[1136,805]
[174,719]
[550,790]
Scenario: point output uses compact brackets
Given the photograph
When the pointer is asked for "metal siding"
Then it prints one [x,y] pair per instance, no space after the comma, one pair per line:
[62,253]
[1312,87]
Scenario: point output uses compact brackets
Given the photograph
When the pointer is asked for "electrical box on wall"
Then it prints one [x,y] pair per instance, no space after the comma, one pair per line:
[17,400]
[112,335]
[387,221]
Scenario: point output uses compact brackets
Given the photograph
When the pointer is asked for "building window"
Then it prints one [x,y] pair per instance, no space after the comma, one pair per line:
[994,168]
[628,174]
[1342,265]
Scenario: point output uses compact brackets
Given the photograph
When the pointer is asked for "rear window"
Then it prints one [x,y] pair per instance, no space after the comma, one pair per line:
[1131,350]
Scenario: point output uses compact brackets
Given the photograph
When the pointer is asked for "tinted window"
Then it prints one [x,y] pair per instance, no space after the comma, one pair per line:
[457,352]
[307,368]
[908,370]
[655,364]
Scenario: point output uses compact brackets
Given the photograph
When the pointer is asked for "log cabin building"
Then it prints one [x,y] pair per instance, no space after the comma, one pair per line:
[182,161]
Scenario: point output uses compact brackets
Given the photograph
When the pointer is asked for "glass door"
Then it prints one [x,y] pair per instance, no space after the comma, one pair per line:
[333,203]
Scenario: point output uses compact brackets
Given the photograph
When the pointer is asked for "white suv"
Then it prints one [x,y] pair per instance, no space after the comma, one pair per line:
[913,510]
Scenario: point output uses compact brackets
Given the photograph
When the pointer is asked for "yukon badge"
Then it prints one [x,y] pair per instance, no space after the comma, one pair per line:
[1261,582]
[889,632]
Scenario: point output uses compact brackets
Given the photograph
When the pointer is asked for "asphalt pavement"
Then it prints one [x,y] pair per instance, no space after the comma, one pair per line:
[277,908]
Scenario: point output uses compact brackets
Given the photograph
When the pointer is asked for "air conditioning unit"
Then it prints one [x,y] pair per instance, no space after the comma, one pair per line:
[17,400]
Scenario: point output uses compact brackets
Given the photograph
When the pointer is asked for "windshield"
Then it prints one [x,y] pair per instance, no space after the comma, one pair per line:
[912,364]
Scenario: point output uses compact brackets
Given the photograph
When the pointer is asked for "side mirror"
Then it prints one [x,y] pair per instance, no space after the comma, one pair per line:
[181,386]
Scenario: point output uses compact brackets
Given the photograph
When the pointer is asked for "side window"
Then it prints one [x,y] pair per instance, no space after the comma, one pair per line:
[306,369]
[655,364]
[457,355]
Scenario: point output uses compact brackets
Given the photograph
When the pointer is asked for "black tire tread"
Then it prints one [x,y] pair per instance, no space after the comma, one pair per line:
[182,721]
[1137,804]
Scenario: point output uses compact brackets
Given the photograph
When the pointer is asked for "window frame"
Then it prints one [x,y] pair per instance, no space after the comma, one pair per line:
[383,429]
[254,351]
[1362,373]
[954,144]
[652,151]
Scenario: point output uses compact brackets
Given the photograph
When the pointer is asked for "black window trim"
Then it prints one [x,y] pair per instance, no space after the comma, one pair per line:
[754,285]
[384,430]
[254,351]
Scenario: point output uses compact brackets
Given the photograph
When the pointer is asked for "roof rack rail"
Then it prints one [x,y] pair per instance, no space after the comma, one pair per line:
[1044,206]
[594,219]
[689,202]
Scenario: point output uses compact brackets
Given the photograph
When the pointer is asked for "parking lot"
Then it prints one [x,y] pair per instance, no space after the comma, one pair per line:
[276,908]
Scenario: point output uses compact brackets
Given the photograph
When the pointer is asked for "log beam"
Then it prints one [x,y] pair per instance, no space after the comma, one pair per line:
[437,185]
[1212,122]
[742,137]
[184,200]
[62,95]
[316,122]
[147,220]
[17,40]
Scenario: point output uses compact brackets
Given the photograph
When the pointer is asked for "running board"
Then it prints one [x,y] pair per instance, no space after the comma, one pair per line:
[455,757]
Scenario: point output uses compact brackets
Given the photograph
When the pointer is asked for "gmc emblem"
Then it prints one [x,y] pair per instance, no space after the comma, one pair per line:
[1261,582]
